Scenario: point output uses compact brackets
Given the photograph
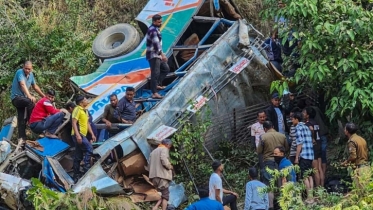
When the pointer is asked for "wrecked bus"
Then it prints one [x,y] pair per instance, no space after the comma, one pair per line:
[212,54]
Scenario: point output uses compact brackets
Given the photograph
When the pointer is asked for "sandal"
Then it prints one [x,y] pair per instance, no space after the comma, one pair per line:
[157,96]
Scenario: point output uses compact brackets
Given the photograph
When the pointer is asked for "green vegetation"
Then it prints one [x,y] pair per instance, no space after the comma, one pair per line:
[189,152]
[46,199]
[335,58]
[335,54]
[290,194]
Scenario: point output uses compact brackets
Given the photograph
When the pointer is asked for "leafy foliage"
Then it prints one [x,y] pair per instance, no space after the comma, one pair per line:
[189,152]
[335,53]
[291,193]
[188,141]
[44,198]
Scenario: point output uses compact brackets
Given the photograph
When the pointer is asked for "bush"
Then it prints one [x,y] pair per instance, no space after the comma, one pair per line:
[334,53]
[290,194]
[45,199]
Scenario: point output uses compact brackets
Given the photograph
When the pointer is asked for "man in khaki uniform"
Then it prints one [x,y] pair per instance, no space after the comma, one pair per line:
[358,155]
[268,142]
[160,171]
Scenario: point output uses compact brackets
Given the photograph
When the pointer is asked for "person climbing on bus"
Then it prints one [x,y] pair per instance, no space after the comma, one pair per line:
[273,49]
[22,98]
[45,117]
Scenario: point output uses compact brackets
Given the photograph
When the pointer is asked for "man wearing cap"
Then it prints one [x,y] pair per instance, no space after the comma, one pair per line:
[70,106]
[205,203]
[358,155]
[216,187]
[269,141]
[160,171]
[81,127]
[276,114]
[45,117]
[22,98]
[255,199]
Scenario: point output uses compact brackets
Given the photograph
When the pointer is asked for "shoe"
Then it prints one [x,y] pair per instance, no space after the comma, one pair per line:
[156,96]
[51,136]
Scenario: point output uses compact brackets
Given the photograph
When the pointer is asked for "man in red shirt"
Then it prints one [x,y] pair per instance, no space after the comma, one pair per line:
[45,117]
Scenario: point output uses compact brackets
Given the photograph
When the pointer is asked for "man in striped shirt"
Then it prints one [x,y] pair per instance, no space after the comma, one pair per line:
[157,59]
[292,135]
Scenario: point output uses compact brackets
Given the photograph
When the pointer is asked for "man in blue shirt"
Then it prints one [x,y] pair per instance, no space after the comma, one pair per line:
[22,98]
[127,107]
[283,162]
[205,203]
[255,200]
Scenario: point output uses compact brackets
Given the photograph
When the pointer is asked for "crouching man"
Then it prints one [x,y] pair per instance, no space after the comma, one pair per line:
[160,171]
[45,117]
[80,129]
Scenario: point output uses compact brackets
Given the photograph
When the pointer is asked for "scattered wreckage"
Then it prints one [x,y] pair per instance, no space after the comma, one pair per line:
[208,55]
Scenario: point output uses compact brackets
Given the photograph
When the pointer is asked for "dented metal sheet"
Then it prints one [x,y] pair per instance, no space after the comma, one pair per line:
[8,128]
[61,173]
[208,73]
[110,144]
[10,186]
[243,34]
[97,177]
[177,194]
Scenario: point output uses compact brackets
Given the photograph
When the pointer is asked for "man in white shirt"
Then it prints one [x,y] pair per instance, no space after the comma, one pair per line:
[216,187]
[256,131]
[257,128]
